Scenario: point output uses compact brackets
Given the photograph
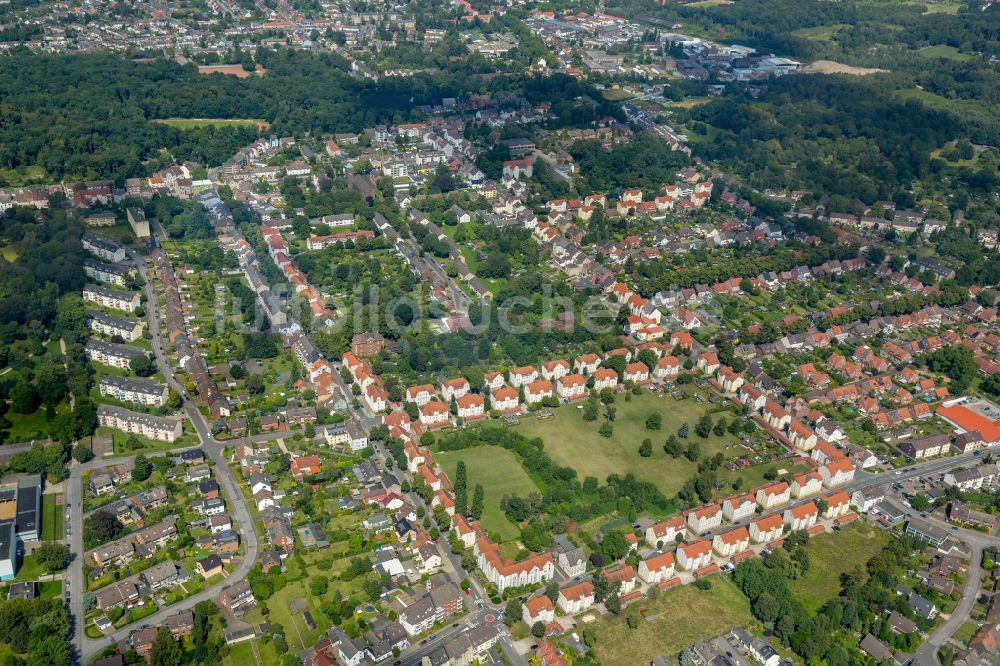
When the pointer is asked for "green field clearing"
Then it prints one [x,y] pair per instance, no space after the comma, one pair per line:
[832,554]
[676,619]
[30,569]
[754,476]
[944,51]
[191,123]
[298,635]
[820,33]
[26,427]
[52,518]
[573,442]
[617,95]
[25,175]
[500,473]
[943,7]
[8,253]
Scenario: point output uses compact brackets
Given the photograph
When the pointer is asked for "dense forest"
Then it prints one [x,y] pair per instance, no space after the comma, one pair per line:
[93,115]
[838,135]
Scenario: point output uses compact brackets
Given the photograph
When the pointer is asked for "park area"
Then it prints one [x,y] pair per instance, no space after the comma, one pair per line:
[673,620]
[500,473]
[573,442]
[833,554]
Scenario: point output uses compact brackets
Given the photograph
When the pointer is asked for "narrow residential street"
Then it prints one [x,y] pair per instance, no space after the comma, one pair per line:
[926,655]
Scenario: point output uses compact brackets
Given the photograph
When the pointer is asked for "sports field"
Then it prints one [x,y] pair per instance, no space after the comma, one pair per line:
[500,473]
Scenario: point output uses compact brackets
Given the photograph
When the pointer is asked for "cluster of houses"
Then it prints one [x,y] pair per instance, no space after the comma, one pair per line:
[526,386]
[174,327]
[277,247]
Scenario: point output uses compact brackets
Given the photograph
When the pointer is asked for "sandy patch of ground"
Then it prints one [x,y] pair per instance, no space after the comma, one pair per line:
[831,67]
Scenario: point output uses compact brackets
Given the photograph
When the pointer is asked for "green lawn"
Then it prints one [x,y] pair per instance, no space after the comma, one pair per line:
[966,632]
[52,518]
[574,442]
[26,427]
[299,636]
[148,445]
[754,476]
[50,589]
[24,175]
[241,654]
[820,33]
[832,554]
[679,617]
[500,473]
[944,51]
[943,7]
[30,569]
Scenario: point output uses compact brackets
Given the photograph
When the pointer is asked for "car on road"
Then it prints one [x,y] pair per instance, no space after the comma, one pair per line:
[454,625]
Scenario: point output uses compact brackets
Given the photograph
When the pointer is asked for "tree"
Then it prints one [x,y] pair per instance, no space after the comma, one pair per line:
[672,447]
[255,384]
[613,604]
[512,612]
[606,430]
[101,526]
[23,398]
[704,426]
[166,650]
[590,411]
[132,443]
[237,371]
[613,546]
[720,427]
[461,488]
[683,430]
[82,453]
[53,556]
[477,502]
[538,630]
[142,469]
[654,421]
[142,365]
[646,448]
[920,503]
[693,452]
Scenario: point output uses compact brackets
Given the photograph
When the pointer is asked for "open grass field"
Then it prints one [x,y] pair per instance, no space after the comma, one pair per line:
[942,7]
[832,554]
[573,442]
[26,427]
[192,123]
[24,175]
[679,617]
[944,51]
[500,473]
[820,33]
[616,94]
[52,518]
[298,635]
[30,569]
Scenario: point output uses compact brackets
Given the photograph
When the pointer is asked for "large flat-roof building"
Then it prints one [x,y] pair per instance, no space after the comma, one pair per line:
[8,550]
[29,507]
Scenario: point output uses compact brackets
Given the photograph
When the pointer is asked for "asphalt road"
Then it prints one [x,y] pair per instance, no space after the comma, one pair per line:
[926,655]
